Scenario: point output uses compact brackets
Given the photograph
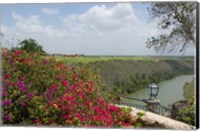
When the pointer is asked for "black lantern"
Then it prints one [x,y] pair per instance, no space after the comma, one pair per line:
[153,90]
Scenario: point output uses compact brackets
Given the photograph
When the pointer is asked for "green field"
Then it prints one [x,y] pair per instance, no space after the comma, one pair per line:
[92,59]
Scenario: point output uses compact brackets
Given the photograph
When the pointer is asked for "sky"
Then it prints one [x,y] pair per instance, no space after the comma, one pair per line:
[82,28]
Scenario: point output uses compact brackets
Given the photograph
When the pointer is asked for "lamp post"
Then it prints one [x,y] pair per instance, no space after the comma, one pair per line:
[153,102]
[153,90]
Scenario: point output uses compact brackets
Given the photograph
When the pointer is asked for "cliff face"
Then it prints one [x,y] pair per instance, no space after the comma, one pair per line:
[152,120]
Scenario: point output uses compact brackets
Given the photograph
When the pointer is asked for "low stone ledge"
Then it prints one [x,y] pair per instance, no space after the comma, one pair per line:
[152,120]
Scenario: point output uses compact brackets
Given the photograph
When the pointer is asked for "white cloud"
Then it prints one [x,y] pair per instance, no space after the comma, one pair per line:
[30,27]
[100,30]
[105,18]
[110,30]
[49,11]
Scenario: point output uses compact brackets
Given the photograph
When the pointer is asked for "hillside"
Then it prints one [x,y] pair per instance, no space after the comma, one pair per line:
[128,74]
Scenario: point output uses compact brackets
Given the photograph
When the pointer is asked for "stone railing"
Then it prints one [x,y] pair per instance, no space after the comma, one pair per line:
[152,120]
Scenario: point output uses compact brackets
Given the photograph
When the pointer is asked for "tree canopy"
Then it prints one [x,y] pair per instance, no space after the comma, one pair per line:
[31,45]
[178,20]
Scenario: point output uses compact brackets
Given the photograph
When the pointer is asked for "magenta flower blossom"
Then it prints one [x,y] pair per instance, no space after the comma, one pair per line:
[45,62]
[65,83]
[7,117]
[73,68]
[8,83]
[22,103]
[29,95]
[53,88]
[21,86]
[4,93]
[6,102]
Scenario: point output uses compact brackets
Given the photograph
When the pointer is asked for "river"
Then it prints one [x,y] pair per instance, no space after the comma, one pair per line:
[170,91]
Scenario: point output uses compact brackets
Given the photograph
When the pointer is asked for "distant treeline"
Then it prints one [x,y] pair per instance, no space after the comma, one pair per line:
[125,77]
[65,55]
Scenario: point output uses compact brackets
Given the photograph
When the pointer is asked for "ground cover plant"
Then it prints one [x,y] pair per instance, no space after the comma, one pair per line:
[41,91]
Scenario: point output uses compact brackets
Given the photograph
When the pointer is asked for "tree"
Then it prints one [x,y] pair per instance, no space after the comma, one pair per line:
[31,45]
[178,19]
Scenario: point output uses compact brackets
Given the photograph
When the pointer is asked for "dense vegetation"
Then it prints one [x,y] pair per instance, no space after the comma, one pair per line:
[30,45]
[40,91]
[189,90]
[188,113]
[122,75]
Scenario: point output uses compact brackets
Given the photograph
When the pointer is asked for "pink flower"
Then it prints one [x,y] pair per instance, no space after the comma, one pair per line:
[6,102]
[66,116]
[62,66]
[19,52]
[4,93]
[65,83]
[21,86]
[29,95]
[69,98]
[37,121]
[28,61]
[7,117]
[22,103]
[45,62]
[79,116]
[73,68]
[74,87]
[53,87]
[5,77]
[88,103]
[60,77]
[90,89]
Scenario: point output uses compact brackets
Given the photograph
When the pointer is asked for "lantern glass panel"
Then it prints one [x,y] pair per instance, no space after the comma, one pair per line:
[153,89]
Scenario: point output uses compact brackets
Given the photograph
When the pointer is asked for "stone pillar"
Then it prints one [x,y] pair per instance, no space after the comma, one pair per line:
[152,106]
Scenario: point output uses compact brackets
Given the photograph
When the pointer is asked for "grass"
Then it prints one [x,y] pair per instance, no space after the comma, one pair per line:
[92,59]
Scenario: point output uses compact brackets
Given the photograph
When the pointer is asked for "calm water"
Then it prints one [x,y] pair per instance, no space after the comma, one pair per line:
[170,91]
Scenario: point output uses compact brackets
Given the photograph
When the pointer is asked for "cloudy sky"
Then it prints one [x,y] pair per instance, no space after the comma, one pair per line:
[82,28]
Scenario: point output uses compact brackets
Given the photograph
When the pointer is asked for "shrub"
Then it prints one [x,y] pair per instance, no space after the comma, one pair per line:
[41,91]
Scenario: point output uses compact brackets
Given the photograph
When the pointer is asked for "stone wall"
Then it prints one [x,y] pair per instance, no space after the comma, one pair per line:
[152,120]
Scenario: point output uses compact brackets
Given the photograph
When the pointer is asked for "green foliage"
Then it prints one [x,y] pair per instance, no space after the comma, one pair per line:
[140,114]
[187,115]
[177,18]
[138,125]
[30,45]
[127,110]
[188,90]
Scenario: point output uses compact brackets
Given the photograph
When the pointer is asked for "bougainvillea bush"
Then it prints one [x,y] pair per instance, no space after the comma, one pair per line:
[42,91]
